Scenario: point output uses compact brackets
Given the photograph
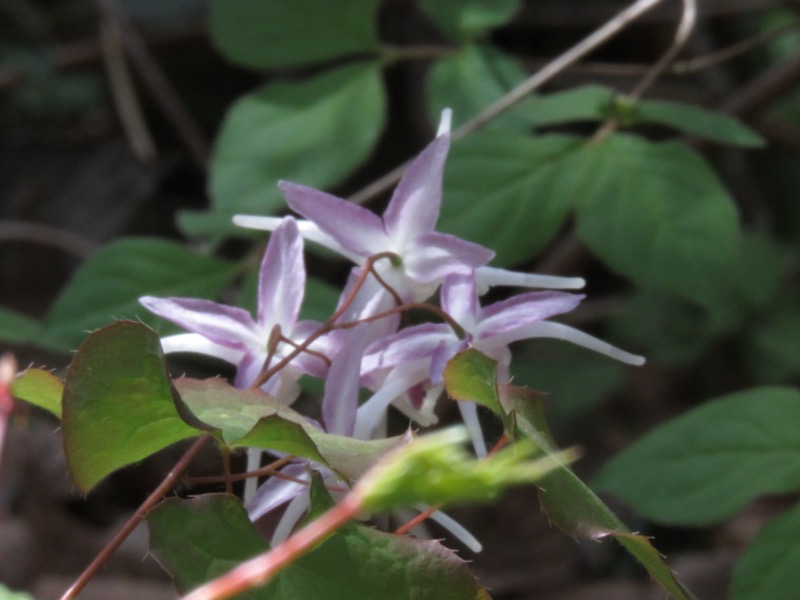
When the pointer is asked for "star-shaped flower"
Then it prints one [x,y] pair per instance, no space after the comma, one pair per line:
[420,353]
[233,335]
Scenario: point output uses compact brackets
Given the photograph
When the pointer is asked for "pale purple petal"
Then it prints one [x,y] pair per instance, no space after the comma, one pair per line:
[409,345]
[415,204]
[196,343]
[275,492]
[457,529]
[282,278]
[227,326]
[560,331]
[460,301]
[488,277]
[249,368]
[442,356]
[436,255]
[519,311]
[402,378]
[355,228]
[341,388]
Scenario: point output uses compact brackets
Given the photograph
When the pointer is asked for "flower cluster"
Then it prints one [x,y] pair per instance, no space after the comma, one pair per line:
[400,261]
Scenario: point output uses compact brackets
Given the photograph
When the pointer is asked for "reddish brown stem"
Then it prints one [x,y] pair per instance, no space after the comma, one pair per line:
[259,570]
[169,482]
[326,326]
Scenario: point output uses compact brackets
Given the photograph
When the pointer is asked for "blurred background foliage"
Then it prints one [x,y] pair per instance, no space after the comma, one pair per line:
[131,131]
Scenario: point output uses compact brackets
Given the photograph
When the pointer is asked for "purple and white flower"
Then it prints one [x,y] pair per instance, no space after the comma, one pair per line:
[419,354]
[233,335]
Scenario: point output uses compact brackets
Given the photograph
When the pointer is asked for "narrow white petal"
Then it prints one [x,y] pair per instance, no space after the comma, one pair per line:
[308,230]
[487,277]
[469,413]
[294,512]
[457,529]
[560,331]
[445,121]
[251,483]
[196,343]
[401,379]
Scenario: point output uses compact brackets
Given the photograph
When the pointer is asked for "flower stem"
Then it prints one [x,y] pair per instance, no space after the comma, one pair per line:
[169,482]
[260,569]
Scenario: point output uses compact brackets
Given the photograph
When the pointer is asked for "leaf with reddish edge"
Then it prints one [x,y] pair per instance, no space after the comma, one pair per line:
[253,418]
[40,388]
[199,539]
[572,506]
[118,403]
[233,411]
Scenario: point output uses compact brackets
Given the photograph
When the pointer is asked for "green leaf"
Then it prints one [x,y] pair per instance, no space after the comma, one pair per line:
[771,346]
[574,378]
[463,20]
[573,507]
[435,469]
[253,418]
[655,213]
[40,388]
[313,132]
[770,567]
[472,376]
[349,457]
[471,80]
[246,417]
[7,594]
[584,103]
[199,539]
[706,465]
[698,121]
[118,403]
[502,190]
[17,328]
[673,331]
[111,281]
[268,34]
[202,538]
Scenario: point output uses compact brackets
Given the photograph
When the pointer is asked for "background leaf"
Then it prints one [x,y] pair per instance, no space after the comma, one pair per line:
[470,80]
[697,121]
[313,132]
[283,33]
[584,103]
[770,567]
[110,282]
[467,19]
[40,388]
[655,213]
[501,191]
[118,406]
[709,463]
